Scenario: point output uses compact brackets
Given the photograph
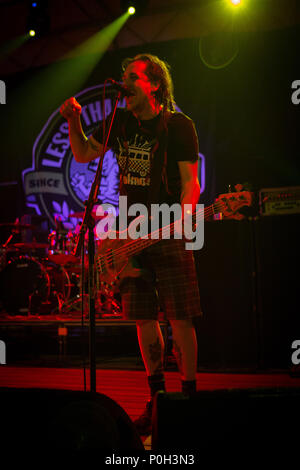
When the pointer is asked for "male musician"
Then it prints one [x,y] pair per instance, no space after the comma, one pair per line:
[166,173]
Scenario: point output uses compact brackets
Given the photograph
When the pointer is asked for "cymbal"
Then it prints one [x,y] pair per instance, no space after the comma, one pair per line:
[30,245]
[77,215]
[18,226]
[80,215]
[64,259]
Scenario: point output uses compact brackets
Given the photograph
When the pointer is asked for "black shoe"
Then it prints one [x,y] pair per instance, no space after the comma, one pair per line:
[143,424]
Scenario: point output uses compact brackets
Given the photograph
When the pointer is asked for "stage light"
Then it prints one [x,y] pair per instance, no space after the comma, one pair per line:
[73,68]
[38,18]
[237,6]
[236,3]
[32,33]
[133,7]
[131,10]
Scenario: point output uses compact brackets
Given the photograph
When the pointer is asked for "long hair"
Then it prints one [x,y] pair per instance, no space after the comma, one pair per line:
[157,71]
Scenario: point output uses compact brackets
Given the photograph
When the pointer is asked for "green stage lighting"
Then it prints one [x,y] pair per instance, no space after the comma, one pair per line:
[133,7]
[131,10]
[12,45]
[235,3]
[69,73]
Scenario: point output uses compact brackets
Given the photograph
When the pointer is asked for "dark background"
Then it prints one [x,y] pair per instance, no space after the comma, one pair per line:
[246,122]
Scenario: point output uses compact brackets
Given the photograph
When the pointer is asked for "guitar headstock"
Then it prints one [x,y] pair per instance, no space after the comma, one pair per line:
[230,203]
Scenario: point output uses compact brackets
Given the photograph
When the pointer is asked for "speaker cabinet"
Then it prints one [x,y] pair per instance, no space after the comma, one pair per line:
[60,420]
[278,261]
[258,422]
[249,287]
[227,333]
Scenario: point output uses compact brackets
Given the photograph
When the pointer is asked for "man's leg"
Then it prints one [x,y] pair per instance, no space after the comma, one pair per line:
[151,345]
[185,349]
[152,349]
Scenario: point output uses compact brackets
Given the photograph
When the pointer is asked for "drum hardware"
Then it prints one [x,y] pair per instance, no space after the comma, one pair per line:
[30,246]
[17,227]
[42,286]
[7,247]
[45,278]
[63,259]
[33,249]
[80,215]
[61,242]
[104,305]
[76,215]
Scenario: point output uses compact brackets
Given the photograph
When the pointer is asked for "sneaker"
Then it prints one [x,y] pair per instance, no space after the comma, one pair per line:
[143,424]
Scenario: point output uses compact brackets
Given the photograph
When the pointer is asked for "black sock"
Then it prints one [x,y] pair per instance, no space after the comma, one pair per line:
[156,383]
[188,387]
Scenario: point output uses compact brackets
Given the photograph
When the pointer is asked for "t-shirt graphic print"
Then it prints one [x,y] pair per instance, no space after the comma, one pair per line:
[135,160]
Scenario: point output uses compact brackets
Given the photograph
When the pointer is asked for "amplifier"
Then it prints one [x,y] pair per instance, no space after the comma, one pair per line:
[279,201]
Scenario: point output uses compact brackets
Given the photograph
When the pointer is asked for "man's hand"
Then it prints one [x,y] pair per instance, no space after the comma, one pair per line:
[70,109]
[183,227]
[84,149]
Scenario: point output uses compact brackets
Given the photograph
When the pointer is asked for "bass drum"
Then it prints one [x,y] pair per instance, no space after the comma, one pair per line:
[6,254]
[29,286]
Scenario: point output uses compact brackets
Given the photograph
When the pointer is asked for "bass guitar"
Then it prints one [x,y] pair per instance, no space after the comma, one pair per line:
[113,255]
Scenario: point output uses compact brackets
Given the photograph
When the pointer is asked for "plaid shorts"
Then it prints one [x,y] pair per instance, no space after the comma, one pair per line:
[170,284]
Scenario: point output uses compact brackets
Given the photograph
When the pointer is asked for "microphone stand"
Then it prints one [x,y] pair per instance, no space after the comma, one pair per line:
[88,225]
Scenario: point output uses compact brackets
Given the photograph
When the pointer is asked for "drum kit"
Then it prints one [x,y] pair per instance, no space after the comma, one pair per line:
[46,278]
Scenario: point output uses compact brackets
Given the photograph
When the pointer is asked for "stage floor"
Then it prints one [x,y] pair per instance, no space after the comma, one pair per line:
[129,387]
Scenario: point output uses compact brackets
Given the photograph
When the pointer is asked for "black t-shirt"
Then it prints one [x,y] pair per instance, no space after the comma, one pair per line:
[134,143]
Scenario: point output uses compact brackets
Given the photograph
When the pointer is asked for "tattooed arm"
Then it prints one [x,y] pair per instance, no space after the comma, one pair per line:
[84,149]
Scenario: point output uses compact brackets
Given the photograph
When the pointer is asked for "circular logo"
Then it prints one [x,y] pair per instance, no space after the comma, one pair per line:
[56,185]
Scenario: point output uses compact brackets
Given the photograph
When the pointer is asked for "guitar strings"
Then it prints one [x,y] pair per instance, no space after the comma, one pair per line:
[146,241]
[125,248]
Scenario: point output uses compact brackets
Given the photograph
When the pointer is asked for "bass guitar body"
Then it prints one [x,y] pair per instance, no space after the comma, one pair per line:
[113,262]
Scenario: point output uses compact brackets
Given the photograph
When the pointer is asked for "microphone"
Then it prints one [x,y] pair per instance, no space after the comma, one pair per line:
[118,86]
